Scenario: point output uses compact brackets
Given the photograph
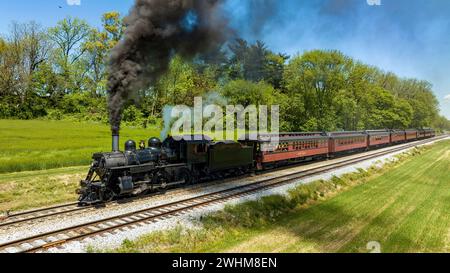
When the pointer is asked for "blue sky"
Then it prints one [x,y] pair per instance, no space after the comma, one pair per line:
[408,37]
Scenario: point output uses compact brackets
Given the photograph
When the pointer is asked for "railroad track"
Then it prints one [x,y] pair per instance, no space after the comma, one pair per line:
[25,216]
[59,237]
[12,220]
[30,216]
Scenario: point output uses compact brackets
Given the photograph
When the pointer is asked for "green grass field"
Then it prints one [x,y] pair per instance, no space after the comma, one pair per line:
[404,207]
[40,145]
[32,189]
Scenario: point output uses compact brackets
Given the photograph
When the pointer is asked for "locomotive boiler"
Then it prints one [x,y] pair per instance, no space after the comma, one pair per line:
[131,172]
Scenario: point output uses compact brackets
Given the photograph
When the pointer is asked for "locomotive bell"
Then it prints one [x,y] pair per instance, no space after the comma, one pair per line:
[130,146]
[154,142]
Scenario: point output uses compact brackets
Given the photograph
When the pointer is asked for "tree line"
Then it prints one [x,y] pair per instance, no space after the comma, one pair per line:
[61,73]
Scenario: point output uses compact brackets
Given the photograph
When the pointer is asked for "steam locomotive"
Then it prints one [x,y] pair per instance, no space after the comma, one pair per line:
[191,159]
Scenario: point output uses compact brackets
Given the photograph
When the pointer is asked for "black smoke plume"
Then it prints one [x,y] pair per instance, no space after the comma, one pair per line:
[155,31]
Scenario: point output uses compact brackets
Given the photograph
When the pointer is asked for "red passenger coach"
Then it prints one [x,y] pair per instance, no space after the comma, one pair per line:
[378,138]
[398,136]
[411,135]
[421,134]
[341,142]
[293,147]
[426,133]
[430,132]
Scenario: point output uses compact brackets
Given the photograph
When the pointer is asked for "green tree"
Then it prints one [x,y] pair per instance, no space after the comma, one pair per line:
[247,93]
[316,77]
[69,36]
[179,86]
[255,62]
[97,46]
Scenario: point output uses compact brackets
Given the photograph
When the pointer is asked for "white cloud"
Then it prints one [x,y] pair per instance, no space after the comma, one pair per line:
[73,2]
[447,97]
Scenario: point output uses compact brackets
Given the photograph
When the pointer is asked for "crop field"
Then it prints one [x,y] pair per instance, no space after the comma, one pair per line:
[40,145]
[403,207]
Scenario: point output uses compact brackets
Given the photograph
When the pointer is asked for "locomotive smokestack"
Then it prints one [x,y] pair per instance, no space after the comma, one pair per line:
[115,143]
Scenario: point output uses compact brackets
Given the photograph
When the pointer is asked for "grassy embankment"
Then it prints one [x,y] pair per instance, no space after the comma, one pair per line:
[403,206]
[41,145]
[35,149]
[32,189]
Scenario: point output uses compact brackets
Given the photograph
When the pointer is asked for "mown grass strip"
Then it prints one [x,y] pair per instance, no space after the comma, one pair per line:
[32,189]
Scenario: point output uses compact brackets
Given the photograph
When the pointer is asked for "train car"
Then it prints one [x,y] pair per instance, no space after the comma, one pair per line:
[398,136]
[428,133]
[376,138]
[411,134]
[421,134]
[292,147]
[345,142]
[229,155]
[300,134]
[433,133]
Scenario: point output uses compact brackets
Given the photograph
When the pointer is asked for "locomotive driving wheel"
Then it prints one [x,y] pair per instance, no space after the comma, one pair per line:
[185,175]
[161,180]
[107,195]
